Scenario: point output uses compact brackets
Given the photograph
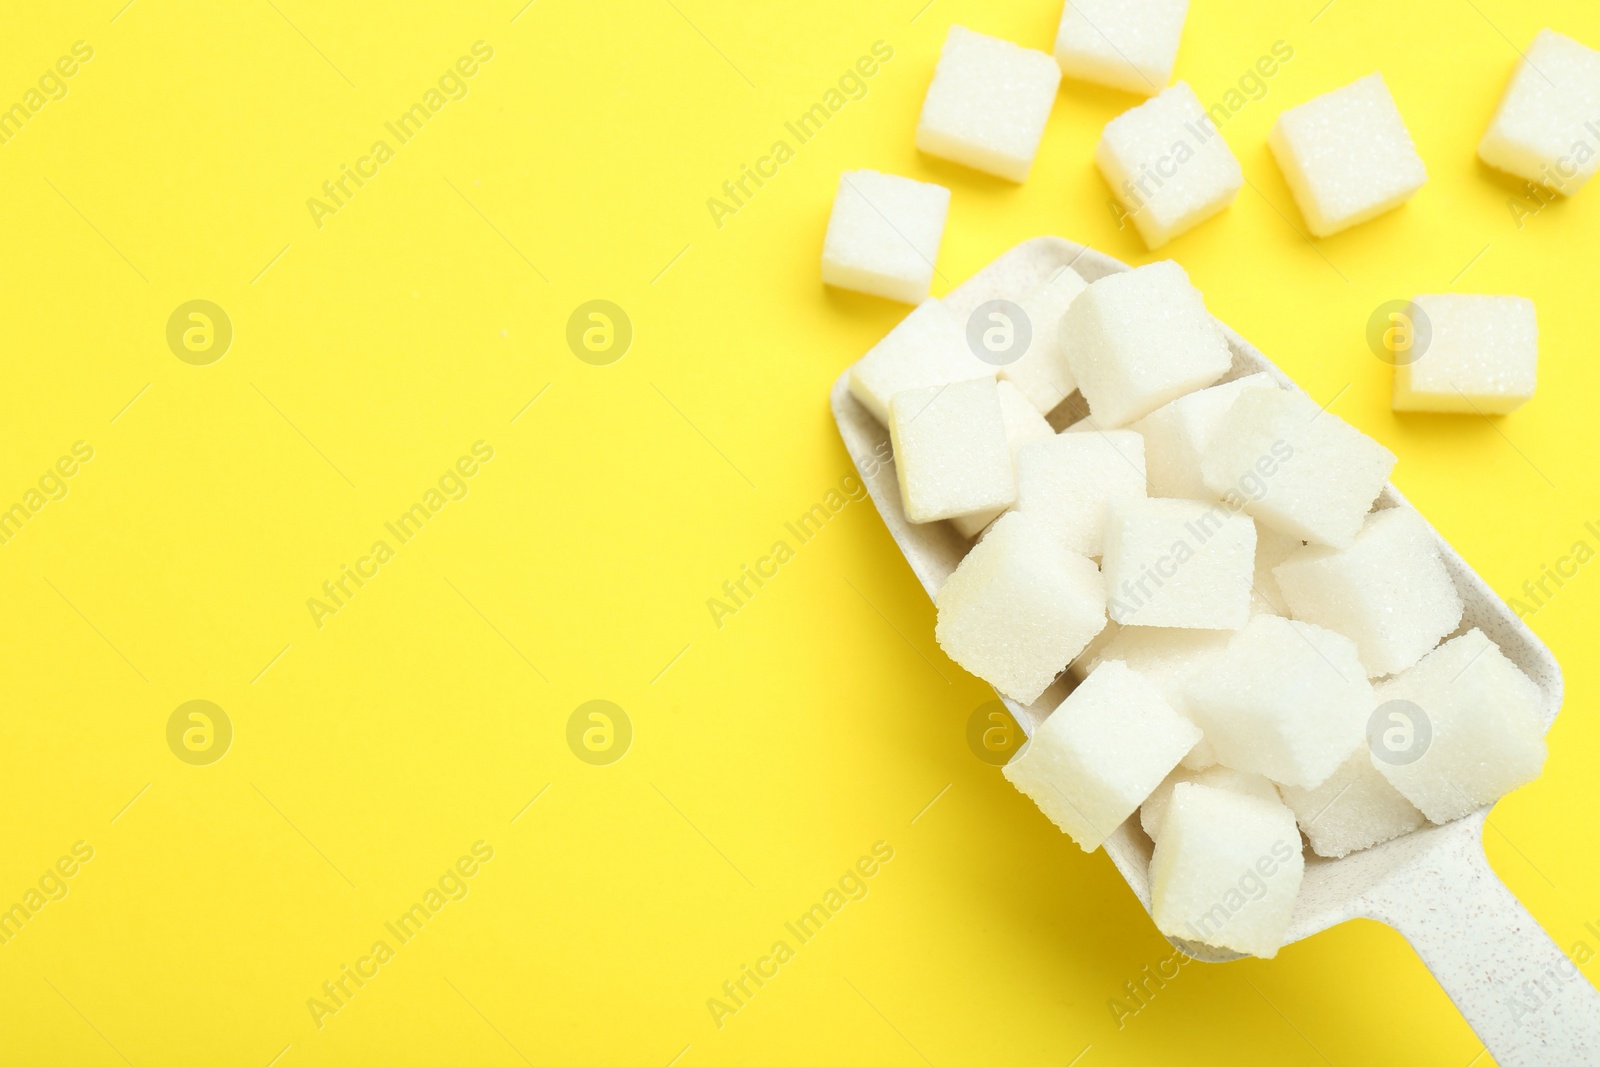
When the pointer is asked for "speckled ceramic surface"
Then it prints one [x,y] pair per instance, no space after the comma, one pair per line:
[1525,1000]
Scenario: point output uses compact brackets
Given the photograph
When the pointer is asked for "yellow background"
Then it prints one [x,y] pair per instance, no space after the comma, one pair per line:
[768,754]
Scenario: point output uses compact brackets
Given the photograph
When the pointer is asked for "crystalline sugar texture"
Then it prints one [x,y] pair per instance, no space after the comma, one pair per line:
[1125,44]
[1168,165]
[1388,592]
[926,349]
[1547,128]
[1067,481]
[1486,724]
[1142,338]
[1154,810]
[1023,425]
[1355,809]
[950,450]
[1295,467]
[1347,156]
[1096,758]
[1019,607]
[883,236]
[1179,563]
[1226,870]
[1176,435]
[988,103]
[1287,700]
[1481,355]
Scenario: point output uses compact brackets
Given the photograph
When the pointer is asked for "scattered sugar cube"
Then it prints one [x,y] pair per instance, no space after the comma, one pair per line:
[988,103]
[1288,700]
[1167,657]
[1482,355]
[1126,44]
[1354,809]
[950,450]
[1023,425]
[1096,758]
[1067,481]
[1178,563]
[1272,548]
[1176,434]
[1295,467]
[1388,592]
[1042,372]
[1226,870]
[883,235]
[1347,156]
[1487,733]
[1168,164]
[1154,810]
[1547,129]
[1018,608]
[926,349]
[1138,339]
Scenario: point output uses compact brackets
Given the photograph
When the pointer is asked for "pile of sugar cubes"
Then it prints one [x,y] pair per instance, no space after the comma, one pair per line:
[1203,557]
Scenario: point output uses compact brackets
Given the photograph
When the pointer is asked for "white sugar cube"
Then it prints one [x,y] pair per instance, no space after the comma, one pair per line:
[1482,355]
[1168,164]
[883,236]
[1067,481]
[1484,735]
[1288,700]
[1547,128]
[1126,44]
[1154,810]
[1138,339]
[1388,592]
[1356,808]
[1176,435]
[988,103]
[1019,607]
[1096,758]
[1272,548]
[1041,372]
[1295,467]
[1023,425]
[1167,657]
[950,450]
[1347,156]
[1226,870]
[1181,563]
[926,349]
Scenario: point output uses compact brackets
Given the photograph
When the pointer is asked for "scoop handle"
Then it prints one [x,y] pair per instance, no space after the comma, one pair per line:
[1525,999]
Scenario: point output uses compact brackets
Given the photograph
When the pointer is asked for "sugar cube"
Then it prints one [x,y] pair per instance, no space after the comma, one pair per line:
[950,450]
[1482,355]
[1018,607]
[1138,339]
[926,349]
[1167,657]
[1176,434]
[1168,164]
[1023,425]
[1272,548]
[1347,156]
[1154,810]
[988,103]
[1125,44]
[1356,808]
[1388,592]
[1547,128]
[1096,758]
[883,235]
[1288,700]
[1041,372]
[1067,481]
[1480,732]
[1295,467]
[1181,563]
[1226,870]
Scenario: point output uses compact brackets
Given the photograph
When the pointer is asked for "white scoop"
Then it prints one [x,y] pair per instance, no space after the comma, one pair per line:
[1525,1000]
